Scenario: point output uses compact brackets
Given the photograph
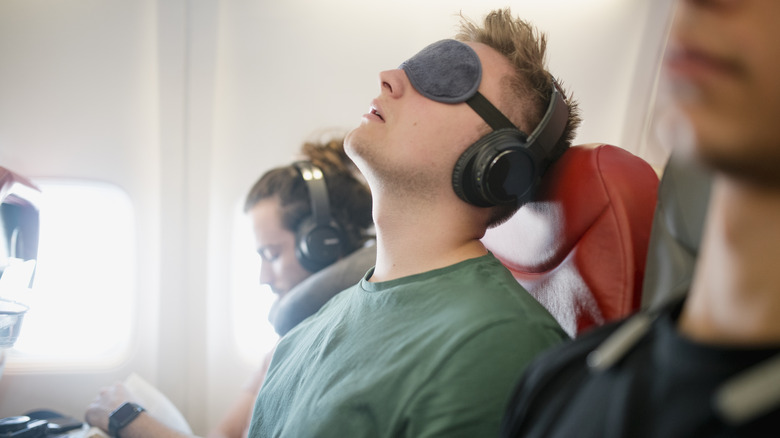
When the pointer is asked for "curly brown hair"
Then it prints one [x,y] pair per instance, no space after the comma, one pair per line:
[349,196]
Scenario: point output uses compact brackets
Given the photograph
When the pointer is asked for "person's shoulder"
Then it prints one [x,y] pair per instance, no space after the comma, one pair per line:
[572,352]
[551,379]
[607,338]
[501,294]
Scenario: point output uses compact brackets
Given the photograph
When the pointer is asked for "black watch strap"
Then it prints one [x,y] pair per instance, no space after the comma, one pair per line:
[122,416]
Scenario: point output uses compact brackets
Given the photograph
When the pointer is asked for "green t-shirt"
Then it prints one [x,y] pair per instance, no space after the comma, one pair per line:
[432,354]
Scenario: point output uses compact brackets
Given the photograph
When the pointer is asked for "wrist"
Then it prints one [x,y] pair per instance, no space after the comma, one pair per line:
[123,416]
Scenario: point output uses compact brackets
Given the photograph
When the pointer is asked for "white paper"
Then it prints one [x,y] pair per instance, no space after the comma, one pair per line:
[157,404]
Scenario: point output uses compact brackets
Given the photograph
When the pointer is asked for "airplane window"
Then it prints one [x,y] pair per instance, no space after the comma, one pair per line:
[250,301]
[81,303]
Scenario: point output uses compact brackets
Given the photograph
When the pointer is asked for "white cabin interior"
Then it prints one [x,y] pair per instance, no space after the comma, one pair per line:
[181,105]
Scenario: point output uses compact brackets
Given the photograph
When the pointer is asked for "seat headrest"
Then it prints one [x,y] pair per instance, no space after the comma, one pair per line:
[580,247]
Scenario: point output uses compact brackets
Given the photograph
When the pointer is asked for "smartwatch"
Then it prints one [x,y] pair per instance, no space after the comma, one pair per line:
[122,416]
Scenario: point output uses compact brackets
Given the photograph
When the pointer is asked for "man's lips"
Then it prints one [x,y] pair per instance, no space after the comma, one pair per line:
[375,111]
[698,64]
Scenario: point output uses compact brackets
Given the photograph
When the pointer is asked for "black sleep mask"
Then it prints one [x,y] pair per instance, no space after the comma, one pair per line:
[446,71]
[449,71]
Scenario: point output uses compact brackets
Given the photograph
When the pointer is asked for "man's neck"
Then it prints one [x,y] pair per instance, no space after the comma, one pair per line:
[735,297]
[414,239]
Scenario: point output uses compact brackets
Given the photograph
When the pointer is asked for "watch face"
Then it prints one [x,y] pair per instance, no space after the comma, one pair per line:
[122,416]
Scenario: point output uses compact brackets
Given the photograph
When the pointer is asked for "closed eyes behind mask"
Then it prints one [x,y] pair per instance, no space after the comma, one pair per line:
[446,71]
[449,71]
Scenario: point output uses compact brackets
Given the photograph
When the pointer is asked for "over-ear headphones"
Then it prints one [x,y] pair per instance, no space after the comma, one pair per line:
[319,239]
[506,166]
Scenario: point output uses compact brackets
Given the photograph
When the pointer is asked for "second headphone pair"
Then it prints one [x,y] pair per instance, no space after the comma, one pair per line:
[319,238]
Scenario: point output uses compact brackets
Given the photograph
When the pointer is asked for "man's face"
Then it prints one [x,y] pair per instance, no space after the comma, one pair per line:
[412,142]
[724,64]
[280,268]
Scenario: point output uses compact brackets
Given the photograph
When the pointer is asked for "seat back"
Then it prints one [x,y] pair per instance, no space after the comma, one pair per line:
[19,227]
[580,247]
[19,218]
[675,238]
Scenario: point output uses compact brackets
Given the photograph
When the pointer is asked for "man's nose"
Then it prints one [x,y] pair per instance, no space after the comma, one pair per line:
[266,274]
[393,82]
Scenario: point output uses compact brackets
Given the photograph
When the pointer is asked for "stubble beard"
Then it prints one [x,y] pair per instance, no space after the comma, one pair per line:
[385,176]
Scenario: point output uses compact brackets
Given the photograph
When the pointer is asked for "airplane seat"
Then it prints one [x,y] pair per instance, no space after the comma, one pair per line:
[19,228]
[675,237]
[580,247]
[19,218]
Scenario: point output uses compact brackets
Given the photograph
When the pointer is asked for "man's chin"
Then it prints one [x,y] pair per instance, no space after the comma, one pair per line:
[349,143]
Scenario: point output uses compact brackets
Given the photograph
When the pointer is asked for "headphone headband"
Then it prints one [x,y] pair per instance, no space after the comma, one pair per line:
[553,123]
[546,134]
[318,191]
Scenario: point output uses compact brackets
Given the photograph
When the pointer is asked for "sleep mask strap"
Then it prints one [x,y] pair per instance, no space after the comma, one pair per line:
[489,112]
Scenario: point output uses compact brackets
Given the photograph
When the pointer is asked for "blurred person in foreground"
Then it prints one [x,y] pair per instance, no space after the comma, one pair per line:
[708,364]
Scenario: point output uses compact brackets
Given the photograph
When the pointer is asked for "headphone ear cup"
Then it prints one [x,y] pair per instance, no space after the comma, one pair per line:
[498,169]
[463,176]
[318,246]
[507,175]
